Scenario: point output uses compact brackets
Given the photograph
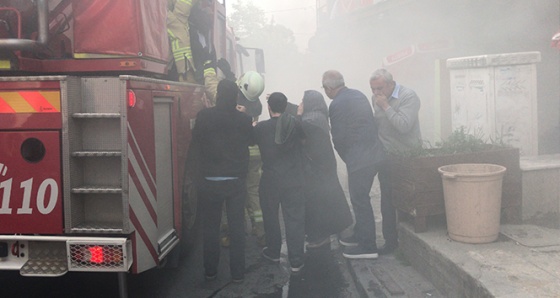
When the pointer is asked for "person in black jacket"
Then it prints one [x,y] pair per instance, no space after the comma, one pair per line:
[354,135]
[280,143]
[221,139]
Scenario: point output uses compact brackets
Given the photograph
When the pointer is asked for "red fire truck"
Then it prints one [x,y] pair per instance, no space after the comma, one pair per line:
[93,137]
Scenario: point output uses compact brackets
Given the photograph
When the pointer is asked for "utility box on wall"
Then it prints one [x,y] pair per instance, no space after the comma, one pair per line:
[497,95]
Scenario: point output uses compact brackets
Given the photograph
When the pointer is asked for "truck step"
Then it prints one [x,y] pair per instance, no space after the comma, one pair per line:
[97,190]
[45,259]
[96,115]
[96,154]
[47,267]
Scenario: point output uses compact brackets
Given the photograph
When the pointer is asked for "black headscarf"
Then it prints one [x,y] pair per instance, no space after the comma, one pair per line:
[315,110]
[226,95]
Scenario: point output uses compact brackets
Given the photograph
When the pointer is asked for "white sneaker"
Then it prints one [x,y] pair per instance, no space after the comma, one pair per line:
[297,269]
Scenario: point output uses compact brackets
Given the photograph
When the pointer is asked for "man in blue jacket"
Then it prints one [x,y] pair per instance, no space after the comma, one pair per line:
[354,135]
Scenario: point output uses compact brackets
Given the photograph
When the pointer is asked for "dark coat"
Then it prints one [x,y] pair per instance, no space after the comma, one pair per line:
[282,163]
[354,132]
[327,211]
[220,142]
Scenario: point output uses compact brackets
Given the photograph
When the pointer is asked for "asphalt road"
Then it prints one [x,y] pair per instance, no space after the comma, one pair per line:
[325,275]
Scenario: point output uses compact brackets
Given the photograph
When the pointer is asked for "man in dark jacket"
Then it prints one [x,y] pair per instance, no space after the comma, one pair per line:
[354,135]
[221,139]
[280,143]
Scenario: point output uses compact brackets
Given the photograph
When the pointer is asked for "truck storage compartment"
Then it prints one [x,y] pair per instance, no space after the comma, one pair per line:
[124,27]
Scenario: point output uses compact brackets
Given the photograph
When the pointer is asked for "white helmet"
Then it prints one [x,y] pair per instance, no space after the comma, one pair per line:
[251,85]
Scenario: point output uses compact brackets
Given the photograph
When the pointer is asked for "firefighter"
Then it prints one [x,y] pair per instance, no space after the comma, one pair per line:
[251,85]
[193,53]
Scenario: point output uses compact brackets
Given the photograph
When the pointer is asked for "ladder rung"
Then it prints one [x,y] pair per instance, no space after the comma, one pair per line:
[96,115]
[96,190]
[96,154]
[97,227]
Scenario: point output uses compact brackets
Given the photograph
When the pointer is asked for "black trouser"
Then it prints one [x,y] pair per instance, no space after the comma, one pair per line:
[212,195]
[292,201]
[388,212]
[359,186]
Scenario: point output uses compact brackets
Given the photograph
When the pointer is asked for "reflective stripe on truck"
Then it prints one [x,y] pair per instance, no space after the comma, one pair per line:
[30,102]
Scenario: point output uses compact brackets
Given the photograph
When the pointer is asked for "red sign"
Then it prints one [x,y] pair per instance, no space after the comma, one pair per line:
[399,56]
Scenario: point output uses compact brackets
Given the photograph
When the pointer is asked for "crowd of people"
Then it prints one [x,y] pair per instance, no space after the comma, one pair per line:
[298,169]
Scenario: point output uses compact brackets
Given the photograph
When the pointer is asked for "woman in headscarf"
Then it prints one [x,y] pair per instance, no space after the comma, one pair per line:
[327,211]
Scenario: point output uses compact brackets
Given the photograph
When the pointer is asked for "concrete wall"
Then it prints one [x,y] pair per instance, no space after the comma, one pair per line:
[541,190]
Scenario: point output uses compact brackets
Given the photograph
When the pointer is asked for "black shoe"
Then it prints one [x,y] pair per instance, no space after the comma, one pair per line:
[266,254]
[388,248]
[349,241]
[360,252]
[211,277]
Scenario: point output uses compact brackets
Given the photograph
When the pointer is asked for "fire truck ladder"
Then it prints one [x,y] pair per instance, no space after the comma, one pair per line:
[96,138]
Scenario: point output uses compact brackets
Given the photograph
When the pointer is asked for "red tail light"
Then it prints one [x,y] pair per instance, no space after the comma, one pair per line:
[131,99]
[96,254]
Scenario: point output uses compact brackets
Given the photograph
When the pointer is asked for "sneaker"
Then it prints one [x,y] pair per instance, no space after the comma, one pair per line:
[349,241]
[297,269]
[320,243]
[266,254]
[211,277]
[388,248]
[359,252]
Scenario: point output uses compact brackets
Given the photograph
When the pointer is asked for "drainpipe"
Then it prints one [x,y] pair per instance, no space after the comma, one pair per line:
[15,44]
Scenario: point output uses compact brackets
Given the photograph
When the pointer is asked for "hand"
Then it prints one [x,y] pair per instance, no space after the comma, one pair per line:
[223,65]
[241,108]
[300,109]
[382,101]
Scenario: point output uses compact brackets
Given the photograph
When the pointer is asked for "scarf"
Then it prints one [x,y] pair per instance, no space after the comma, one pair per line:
[315,110]
[284,128]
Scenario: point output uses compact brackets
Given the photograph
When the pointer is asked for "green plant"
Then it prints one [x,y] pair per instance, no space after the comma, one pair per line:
[460,141]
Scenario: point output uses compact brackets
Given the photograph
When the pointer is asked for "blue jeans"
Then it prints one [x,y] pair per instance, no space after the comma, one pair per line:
[359,186]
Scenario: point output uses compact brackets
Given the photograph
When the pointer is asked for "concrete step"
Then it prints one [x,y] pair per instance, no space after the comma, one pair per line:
[525,263]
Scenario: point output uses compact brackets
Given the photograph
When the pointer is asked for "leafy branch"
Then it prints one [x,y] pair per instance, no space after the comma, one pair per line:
[460,141]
